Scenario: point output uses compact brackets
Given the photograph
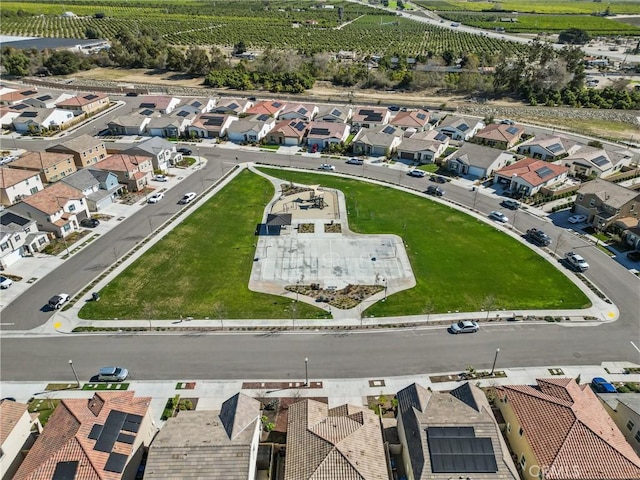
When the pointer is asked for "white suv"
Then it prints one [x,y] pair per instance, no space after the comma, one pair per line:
[187,198]
[326,166]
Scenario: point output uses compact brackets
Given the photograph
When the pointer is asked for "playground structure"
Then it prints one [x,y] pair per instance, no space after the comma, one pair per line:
[313,203]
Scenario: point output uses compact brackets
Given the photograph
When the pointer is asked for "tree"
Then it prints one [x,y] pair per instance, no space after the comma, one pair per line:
[488,304]
[197,61]
[63,62]
[574,36]
[16,63]
[429,308]
[239,48]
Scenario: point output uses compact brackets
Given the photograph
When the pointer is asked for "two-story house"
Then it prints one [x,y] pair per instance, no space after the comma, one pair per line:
[86,150]
[162,152]
[18,428]
[51,166]
[18,184]
[99,187]
[19,237]
[134,171]
[605,202]
[624,410]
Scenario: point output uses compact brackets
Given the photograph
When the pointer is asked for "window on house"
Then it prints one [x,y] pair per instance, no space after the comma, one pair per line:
[580,197]
[637,437]
[17,238]
[67,227]
[42,241]
[592,202]
[33,190]
[523,461]
[521,431]
[630,425]
[4,246]
[633,206]
[27,230]
[72,208]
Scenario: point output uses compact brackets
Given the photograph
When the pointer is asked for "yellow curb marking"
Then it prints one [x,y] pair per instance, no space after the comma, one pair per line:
[611,314]
[57,325]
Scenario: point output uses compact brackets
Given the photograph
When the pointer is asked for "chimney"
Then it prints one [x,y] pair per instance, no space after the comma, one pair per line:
[95,404]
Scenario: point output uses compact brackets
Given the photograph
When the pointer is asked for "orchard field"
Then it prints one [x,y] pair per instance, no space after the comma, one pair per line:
[580,7]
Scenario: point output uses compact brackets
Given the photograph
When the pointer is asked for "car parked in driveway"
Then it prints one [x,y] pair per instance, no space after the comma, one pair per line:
[156,197]
[112,374]
[355,161]
[57,301]
[326,166]
[600,385]
[188,197]
[577,219]
[89,222]
[464,326]
[5,282]
[161,178]
[417,173]
[498,216]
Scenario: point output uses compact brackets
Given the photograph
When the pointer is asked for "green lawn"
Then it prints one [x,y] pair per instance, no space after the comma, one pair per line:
[202,267]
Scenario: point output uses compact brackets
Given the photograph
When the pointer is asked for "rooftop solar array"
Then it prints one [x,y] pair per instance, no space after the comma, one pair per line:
[213,121]
[600,160]
[65,471]
[319,131]
[20,106]
[91,96]
[300,126]
[264,117]
[544,172]
[132,423]
[183,113]
[421,116]
[45,97]
[458,450]
[512,130]
[126,438]
[116,463]
[441,137]
[335,112]
[196,104]
[277,104]
[555,147]
[302,111]
[463,127]
[110,431]
[146,112]
[95,432]
[147,105]
[29,114]
[389,130]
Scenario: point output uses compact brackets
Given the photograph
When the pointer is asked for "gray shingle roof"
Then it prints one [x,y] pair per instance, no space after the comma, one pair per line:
[610,193]
[78,144]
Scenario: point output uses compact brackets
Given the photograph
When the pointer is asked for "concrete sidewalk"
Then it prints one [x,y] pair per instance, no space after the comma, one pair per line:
[211,393]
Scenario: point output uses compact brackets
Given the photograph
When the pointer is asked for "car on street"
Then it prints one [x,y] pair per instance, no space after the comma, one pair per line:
[184,151]
[156,197]
[577,219]
[498,216]
[5,282]
[507,121]
[57,301]
[600,385]
[112,374]
[575,261]
[438,179]
[433,190]
[355,161]
[89,222]
[326,166]
[538,237]
[187,197]
[393,108]
[417,173]
[161,178]
[464,326]
[510,203]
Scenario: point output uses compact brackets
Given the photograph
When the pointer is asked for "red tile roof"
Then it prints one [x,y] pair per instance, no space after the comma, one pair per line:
[266,107]
[41,160]
[570,432]
[122,162]
[53,198]
[13,176]
[500,132]
[412,118]
[82,100]
[530,170]
[287,128]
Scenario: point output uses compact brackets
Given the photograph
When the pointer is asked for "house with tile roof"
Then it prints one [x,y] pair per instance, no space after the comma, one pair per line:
[86,150]
[423,148]
[272,108]
[159,103]
[50,165]
[58,209]
[589,161]
[343,443]
[499,135]
[604,203]
[162,152]
[250,129]
[412,120]
[47,100]
[558,430]
[298,111]
[325,134]
[370,117]
[134,171]
[624,410]
[333,114]
[8,115]
[232,106]
[87,103]
[527,176]
[19,237]
[102,437]
[459,128]
[17,184]
[211,125]
[198,105]
[377,142]
[548,147]
[174,125]
[213,444]
[13,97]
[40,120]
[288,132]
[129,124]
[99,187]
[451,435]
[477,161]
[17,434]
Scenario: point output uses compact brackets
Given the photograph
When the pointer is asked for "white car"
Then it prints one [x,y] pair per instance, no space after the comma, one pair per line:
[577,218]
[156,197]
[577,262]
[161,178]
[417,173]
[187,198]
[5,282]
[57,301]
[326,166]
[498,216]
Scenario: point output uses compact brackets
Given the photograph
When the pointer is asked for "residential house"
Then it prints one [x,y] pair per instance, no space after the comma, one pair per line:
[251,129]
[51,166]
[87,103]
[99,187]
[377,142]
[134,171]
[451,435]
[232,106]
[370,117]
[423,150]
[99,437]
[129,124]
[8,115]
[324,134]
[47,100]
[477,161]
[86,150]
[344,442]
[298,111]
[459,128]
[598,162]
[527,176]
[624,410]
[208,444]
[288,132]
[199,105]
[412,121]
[17,96]
[18,184]
[211,125]
[333,114]
[604,203]
[272,108]
[17,428]
[558,430]
[58,209]
[162,152]
[40,120]
[548,147]
[173,126]
[631,235]
[499,135]
[19,237]
[160,103]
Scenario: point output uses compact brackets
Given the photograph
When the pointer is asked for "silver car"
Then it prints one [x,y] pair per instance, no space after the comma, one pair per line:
[464,326]
[498,216]
[112,374]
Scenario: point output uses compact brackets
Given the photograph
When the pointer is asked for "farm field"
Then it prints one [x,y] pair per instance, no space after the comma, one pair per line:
[584,7]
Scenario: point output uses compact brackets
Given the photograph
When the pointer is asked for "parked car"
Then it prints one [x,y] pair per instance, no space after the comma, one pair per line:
[433,190]
[57,301]
[187,198]
[538,237]
[326,166]
[498,216]
[438,179]
[634,256]
[161,178]
[600,385]
[577,219]
[510,203]
[112,374]
[131,94]
[184,151]
[355,161]
[417,173]
[156,197]
[5,282]
[577,262]
[506,121]
[89,222]
[465,326]
[394,108]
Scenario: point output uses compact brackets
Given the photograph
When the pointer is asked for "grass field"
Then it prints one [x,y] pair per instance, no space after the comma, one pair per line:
[535,6]
[202,267]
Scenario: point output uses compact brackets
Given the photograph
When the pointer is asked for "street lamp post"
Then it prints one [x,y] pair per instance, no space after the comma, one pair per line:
[74,373]
[306,372]
[385,289]
[297,288]
[495,359]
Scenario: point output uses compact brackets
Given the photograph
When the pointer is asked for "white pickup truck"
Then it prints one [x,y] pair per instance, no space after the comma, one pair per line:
[576,261]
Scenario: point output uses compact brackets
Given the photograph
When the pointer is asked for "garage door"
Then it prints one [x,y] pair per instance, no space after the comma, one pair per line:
[407,155]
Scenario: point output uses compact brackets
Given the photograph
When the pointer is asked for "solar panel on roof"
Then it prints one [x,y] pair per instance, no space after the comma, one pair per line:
[554,148]
[302,111]
[443,432]
[115,463]
[301,126]
[183,113]
[126,438]
[389,130]
[29,114]
[196,104]
[277,104]
[263,118]
[233,106]
[441,137]
[512,130]
[147,105]
[421,116]
[20,106]
[319,131]
[146,112]
[29,92]
[65,471]
[544,172]
[132,423]
[336,112]
[95,432]
[91,96]
[45,97]
[463,127]
[366,111]
[600,160]
[110,431]
[214,121]
[458,450]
